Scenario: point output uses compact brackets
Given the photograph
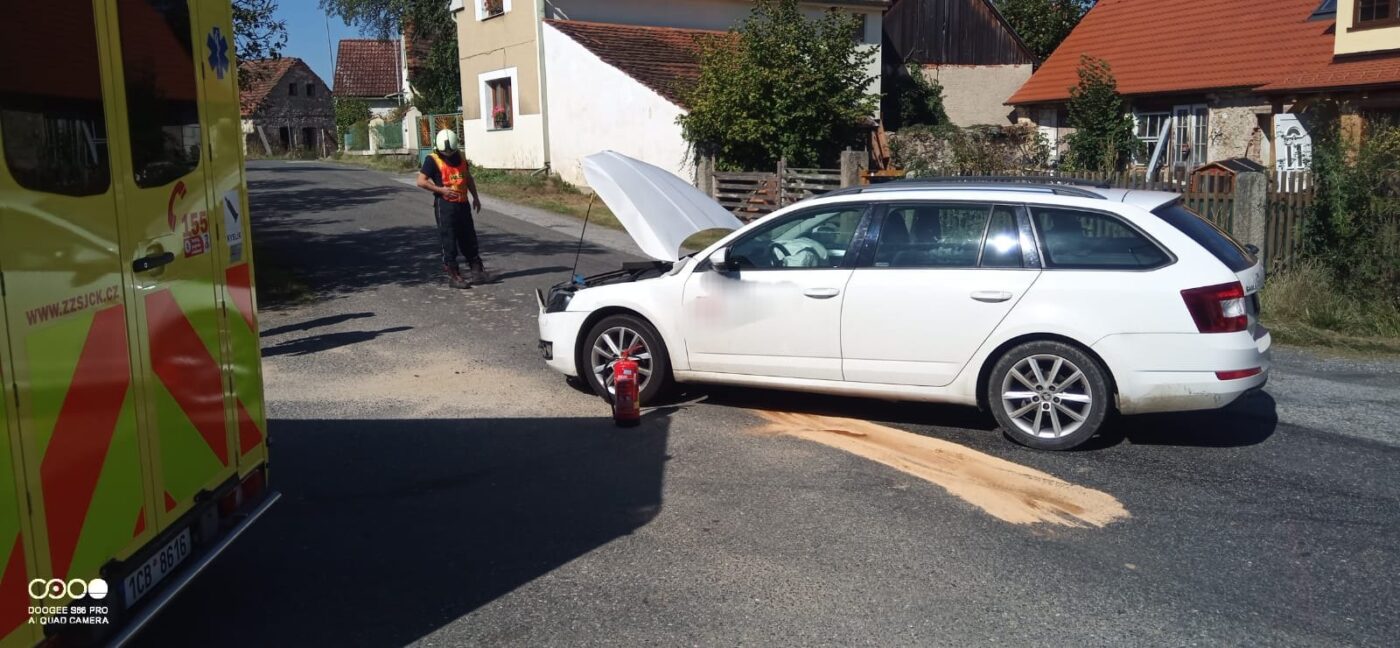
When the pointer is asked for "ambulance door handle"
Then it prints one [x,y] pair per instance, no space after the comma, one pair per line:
[152,261]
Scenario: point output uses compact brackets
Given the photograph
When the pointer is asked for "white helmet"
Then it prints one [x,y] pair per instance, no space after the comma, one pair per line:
[446,140]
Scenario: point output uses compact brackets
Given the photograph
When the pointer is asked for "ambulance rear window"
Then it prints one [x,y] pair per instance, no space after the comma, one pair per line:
[162,103]
[53,125]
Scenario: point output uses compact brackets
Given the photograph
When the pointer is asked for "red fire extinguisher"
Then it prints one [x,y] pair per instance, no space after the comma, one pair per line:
[627,412]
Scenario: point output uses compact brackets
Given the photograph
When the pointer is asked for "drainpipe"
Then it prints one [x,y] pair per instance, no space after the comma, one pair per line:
[540,73]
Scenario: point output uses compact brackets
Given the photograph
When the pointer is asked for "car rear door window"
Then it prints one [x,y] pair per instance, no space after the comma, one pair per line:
[1074,239]
[931,235]
[162,101]
[51,111]
[1210,237]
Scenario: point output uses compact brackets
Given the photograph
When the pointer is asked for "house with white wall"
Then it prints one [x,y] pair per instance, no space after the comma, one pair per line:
[547,82]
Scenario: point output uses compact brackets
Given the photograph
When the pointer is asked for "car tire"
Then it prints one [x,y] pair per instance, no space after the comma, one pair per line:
[1048,395]
[655,362]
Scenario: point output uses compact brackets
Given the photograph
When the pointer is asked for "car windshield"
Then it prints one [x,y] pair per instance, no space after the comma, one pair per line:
[1210,237]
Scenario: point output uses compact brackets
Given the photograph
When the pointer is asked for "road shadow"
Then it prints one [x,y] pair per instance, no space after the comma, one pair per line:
[912,413]
[390,529]
[318,241]
[315,323]
[1251,420]
[325,342]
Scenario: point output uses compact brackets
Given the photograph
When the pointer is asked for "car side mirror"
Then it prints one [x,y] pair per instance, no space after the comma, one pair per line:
[721,261]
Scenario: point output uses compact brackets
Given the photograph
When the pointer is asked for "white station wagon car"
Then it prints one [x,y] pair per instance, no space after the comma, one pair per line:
[1049,304]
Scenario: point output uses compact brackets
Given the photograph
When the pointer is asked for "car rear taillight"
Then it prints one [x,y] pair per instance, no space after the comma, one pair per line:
[1217,309]
[1238,373]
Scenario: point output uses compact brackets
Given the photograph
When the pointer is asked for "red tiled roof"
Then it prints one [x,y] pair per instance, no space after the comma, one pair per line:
[259,78]
[367,68]
[1168,46]
[665,59]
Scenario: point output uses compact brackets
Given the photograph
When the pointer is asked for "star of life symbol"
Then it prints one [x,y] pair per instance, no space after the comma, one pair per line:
[218,52]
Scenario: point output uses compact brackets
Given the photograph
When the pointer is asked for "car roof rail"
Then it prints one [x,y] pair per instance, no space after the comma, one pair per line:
[1042,184]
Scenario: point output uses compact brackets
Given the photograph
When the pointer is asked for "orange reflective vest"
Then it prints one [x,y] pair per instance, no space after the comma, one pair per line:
[454,178]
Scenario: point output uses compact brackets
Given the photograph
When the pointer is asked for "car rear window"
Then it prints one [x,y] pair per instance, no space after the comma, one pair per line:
[1204,232]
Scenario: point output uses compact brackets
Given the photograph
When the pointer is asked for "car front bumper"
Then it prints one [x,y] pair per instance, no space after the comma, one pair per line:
[559,333]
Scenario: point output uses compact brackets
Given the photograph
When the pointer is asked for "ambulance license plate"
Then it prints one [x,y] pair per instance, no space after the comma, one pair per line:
[140,582]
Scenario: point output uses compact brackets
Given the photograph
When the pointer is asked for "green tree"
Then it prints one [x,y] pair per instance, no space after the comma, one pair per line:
[920,98]
[257,33]
[348,112]
[1354,227]
[1103,138]
[438,84]
[782,85]
[1043,24]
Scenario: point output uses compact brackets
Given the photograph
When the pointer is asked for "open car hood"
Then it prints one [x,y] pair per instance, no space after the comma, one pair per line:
[659,210]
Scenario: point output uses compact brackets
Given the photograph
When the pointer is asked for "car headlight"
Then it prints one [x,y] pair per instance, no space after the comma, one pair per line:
[558,300]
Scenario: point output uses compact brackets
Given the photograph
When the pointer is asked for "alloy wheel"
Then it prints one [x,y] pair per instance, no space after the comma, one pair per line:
[608,347]
[1046,396]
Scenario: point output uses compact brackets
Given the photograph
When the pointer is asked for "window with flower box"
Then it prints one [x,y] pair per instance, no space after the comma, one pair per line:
[502,114]
[486,9]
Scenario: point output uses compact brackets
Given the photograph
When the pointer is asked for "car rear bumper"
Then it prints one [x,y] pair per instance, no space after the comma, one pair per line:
[1172,372]
[559,334]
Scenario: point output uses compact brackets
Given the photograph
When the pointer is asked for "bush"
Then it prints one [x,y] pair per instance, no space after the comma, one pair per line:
[349,111]
[1103,139]
[1354,229]
[784,86]
[920,98]
[981,150]
[1305,305]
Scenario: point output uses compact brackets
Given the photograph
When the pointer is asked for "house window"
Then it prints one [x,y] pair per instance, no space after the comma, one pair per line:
[310,89]
[1149,127]
[502,114]
[1190,146]
[1377,12]
[291,89]
[486,9]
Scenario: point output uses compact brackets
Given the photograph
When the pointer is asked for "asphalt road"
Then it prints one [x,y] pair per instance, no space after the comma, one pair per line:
[443,488]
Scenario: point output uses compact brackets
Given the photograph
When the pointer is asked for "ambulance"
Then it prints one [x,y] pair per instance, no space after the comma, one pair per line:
[133,441]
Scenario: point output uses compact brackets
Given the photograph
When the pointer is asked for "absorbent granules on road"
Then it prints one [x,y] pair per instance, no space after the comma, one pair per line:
[1005,490]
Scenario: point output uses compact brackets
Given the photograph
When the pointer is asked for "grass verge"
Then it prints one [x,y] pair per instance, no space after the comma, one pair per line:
[1304,307]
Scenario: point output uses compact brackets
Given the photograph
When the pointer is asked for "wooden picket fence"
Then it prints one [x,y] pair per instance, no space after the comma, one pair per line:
[752,194]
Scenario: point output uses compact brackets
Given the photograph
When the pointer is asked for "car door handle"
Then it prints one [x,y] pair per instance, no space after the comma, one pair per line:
[152,261]
[821,293]
[991,296]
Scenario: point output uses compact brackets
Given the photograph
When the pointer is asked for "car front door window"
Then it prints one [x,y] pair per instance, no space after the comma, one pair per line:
[818,239]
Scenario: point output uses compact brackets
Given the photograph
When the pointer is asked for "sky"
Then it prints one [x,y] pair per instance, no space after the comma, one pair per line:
[306,35]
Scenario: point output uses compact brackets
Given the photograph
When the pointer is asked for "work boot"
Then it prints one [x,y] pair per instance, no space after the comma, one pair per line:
[479,273]
[455,279]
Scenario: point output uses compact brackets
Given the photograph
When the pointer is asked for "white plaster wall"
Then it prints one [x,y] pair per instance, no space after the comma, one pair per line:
[519,147]
[704,14]
[977,94]
[593,106]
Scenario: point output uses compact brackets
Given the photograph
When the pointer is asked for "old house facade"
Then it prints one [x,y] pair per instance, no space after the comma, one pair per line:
[285,107]
[1217,79]
[374,71]
[964,45]
[544,84]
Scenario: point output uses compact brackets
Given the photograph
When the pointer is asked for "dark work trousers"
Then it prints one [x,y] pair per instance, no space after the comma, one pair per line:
[457,232]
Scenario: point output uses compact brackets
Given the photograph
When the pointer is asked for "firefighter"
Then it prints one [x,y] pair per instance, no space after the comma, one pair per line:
[447,174]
